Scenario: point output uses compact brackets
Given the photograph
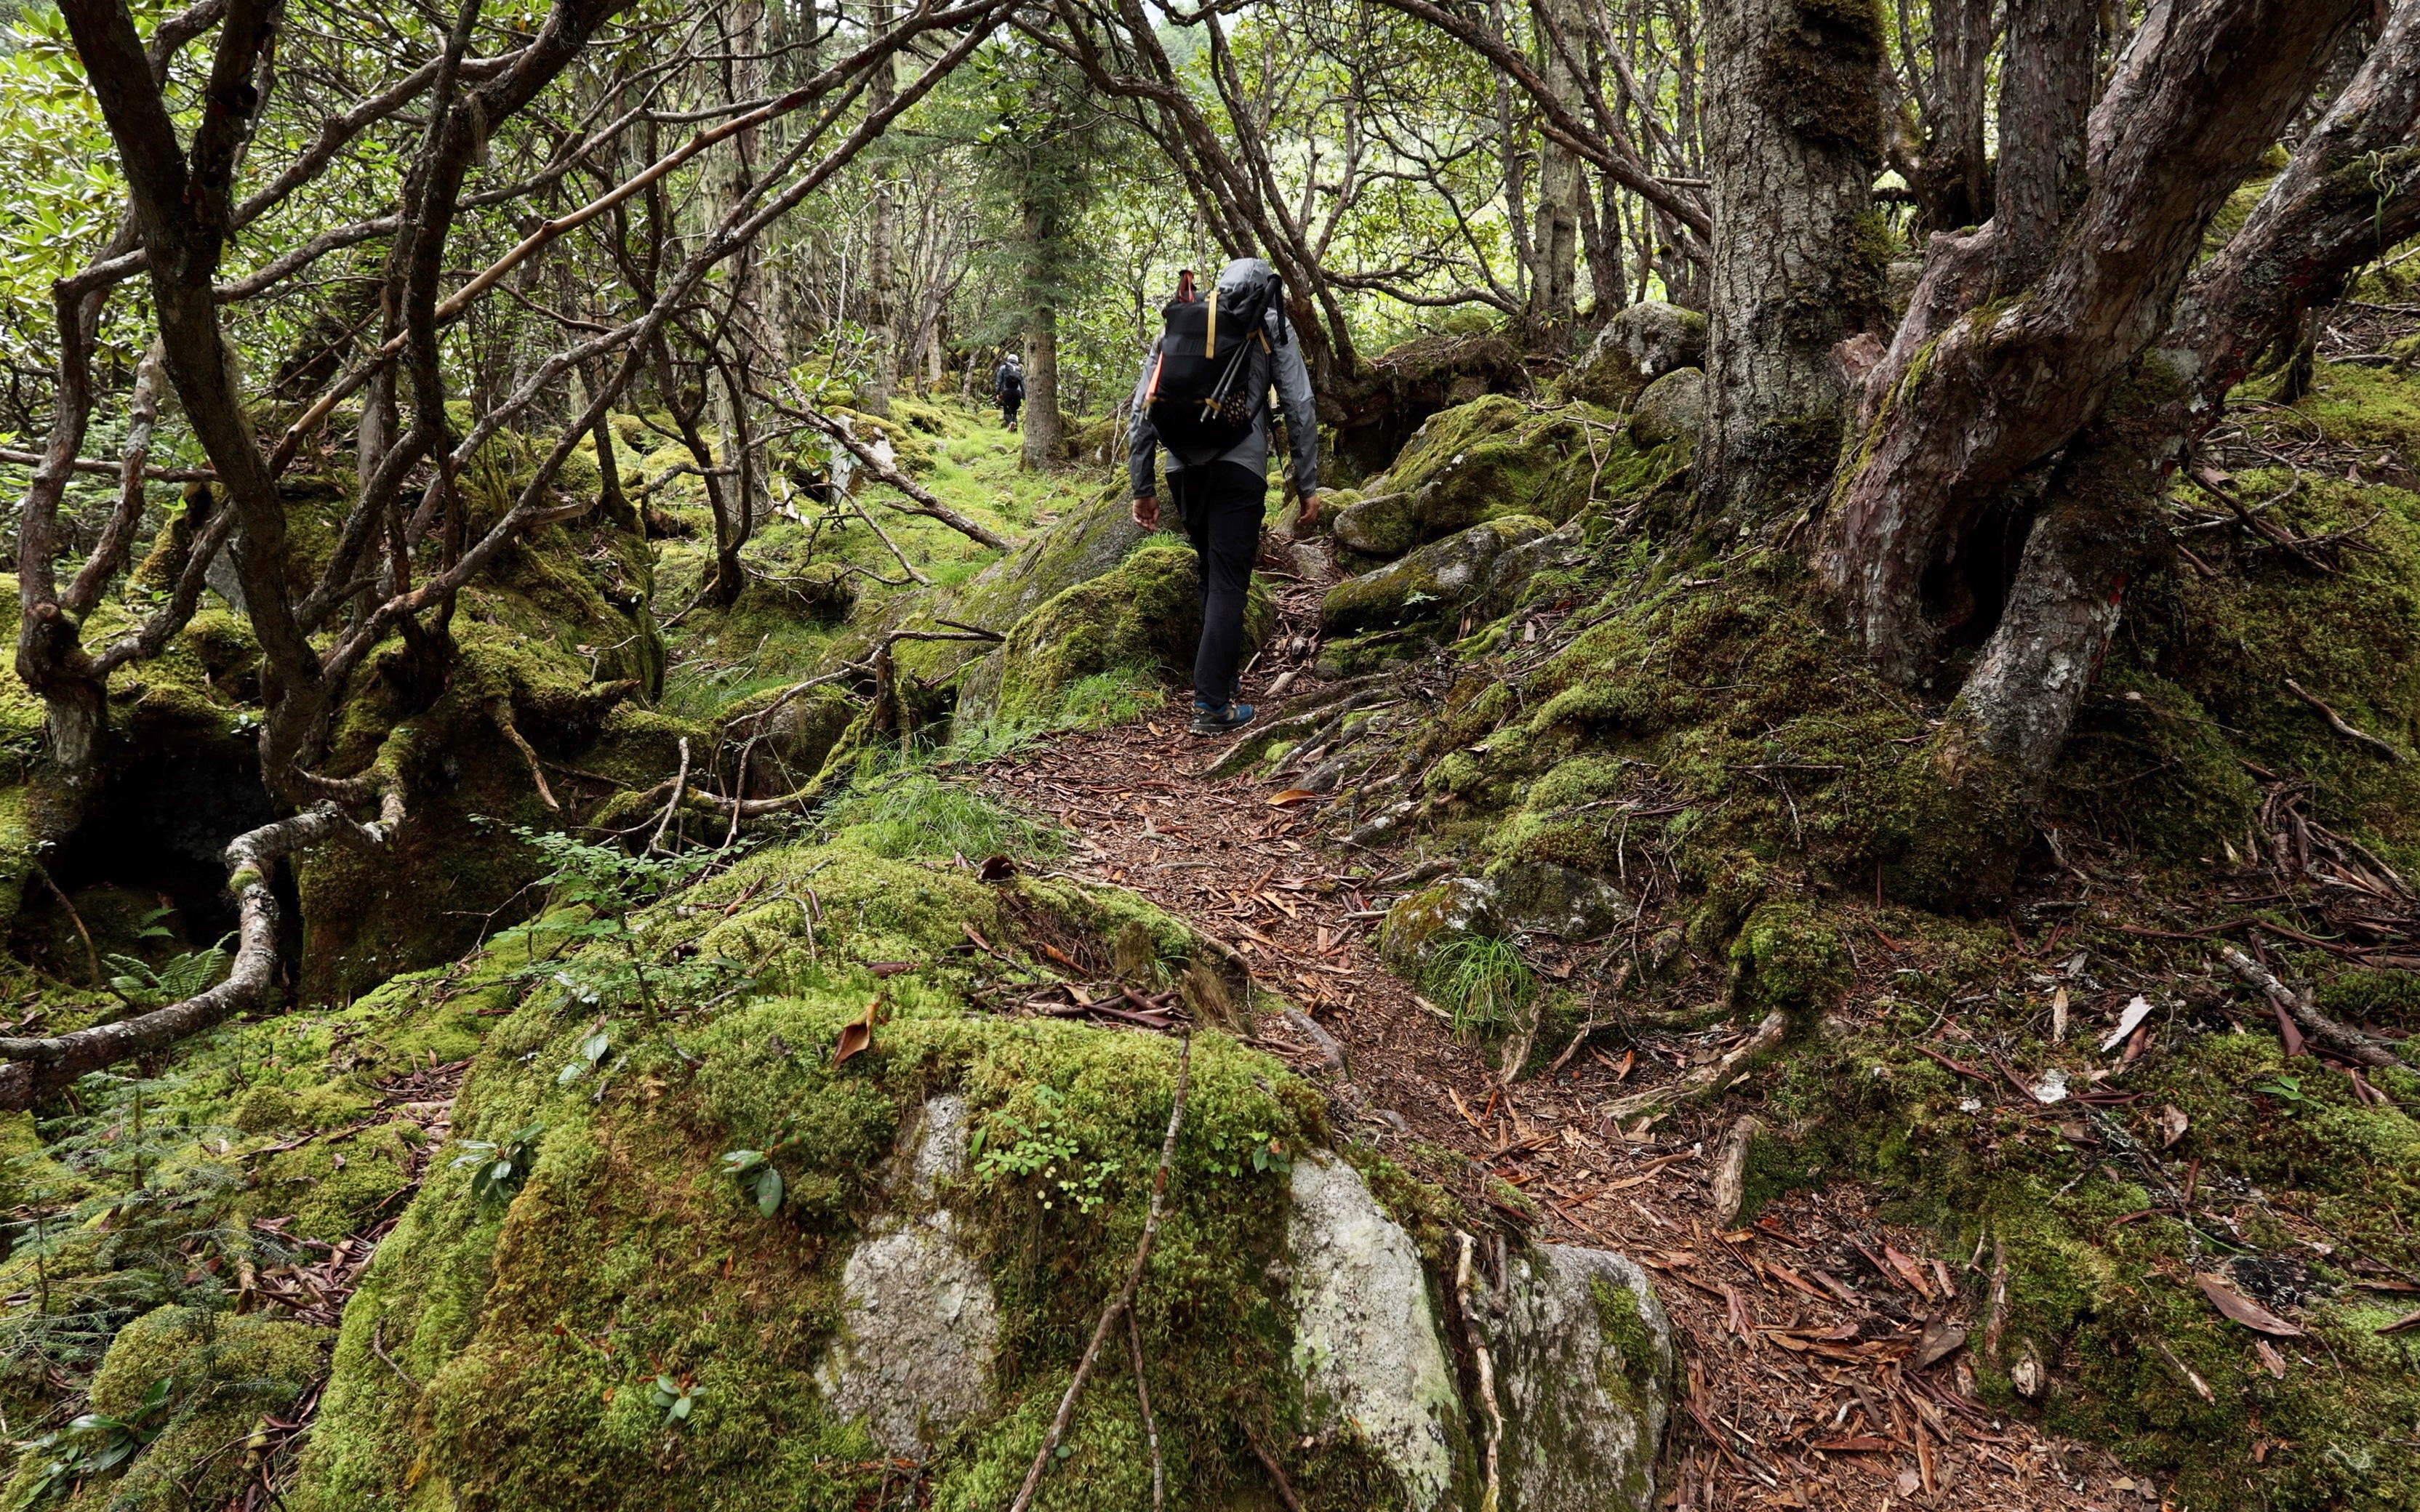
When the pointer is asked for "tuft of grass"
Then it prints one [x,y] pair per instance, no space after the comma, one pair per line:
[1480,981]
[1112,697]
[914,812]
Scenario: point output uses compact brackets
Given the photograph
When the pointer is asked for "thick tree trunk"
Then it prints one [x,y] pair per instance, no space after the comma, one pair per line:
[1966,399]
[882,255]
[1793,141]
[2045,98]
[1044,447]
[1562,182]
[2351,189]
[1952,182]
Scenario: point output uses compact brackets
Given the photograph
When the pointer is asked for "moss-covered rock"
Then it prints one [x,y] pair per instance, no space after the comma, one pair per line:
[1145,615]
[1671,408]
[1642,343]
[223,1376]
[1430,583]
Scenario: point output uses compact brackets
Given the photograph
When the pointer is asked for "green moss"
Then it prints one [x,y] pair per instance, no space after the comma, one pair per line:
[1789,957]
[226,1374]
[535,1327]
[1146,613]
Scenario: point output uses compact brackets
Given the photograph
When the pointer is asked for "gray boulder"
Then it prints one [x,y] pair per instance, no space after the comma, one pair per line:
[919,1325]
[1545,898]
[1672,407]
[1434,581]
[1640,344]
[1583,1356]
[1581,1351]
[1508,579]
[1365,1334]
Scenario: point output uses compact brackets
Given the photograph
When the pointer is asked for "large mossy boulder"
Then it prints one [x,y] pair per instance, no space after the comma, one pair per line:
[1143,618]
[618,1323]
[1493,457]
[1430,583]
[1640,344]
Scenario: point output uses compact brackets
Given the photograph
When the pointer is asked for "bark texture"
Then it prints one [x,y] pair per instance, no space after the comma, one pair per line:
[2352,188]
[1795,138]
[1961,406]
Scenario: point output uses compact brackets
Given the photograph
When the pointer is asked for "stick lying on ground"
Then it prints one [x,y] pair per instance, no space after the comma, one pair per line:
[2298,1007]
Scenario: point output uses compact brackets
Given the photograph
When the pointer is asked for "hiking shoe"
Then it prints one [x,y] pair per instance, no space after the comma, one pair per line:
[1210,721]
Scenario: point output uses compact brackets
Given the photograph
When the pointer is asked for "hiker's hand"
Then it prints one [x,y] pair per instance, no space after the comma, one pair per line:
[1310,515]
[1146,511]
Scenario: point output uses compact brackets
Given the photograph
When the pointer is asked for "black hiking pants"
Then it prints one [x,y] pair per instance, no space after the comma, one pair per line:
[1008,408]
[1221,504]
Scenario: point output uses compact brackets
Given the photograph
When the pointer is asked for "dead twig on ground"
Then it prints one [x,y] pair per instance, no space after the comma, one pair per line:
[1705,1080]
[2305,1011]
[2336,722]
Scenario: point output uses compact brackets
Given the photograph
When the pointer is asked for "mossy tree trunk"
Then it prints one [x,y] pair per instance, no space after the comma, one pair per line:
[1043,445]
[1562,184]
[882,255]
[1793,144]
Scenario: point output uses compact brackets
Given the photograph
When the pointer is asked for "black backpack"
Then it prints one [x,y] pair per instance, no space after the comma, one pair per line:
[1010,383]
[1212,376]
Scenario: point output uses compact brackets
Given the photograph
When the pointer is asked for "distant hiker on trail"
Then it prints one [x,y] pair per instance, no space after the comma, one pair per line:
[1008,387]
[1205,396]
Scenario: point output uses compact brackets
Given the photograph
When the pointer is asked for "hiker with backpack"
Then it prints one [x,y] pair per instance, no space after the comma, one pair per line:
[1008,387]
[1205,399]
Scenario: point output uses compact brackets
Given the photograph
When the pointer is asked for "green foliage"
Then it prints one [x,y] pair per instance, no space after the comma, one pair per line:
[1481,981]
[913,810]
[94,1443]
[499,1166]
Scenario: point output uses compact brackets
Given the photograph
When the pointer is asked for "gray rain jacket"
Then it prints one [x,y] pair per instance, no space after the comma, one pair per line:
[1293,381]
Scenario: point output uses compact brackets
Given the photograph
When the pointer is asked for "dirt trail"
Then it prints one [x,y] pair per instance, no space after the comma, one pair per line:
[1805,1336]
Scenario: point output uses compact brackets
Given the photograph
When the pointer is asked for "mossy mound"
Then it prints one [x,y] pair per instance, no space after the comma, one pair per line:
[535,1331]
[2106,1333]
[1500,455]
[1145,615]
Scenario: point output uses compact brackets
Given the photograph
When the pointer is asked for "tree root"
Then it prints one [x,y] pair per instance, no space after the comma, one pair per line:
[1730,1169]
[2304,1012]
[1706,1080]
[499,709]
[2337,723]
[39,1066]
[1124,1302]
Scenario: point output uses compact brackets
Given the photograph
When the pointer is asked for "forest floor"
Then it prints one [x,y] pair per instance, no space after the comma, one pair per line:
[1820,1365]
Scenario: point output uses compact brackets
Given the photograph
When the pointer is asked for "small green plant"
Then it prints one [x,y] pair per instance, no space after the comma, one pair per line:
[1479,981]
[142,985]
[1007,1149]
[755,1170]
[503,1163]
[96,1442]
[612,886]
[2285,1088]
[675,1399]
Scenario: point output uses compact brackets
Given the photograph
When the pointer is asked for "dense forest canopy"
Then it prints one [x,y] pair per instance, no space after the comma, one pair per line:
[1824,471]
